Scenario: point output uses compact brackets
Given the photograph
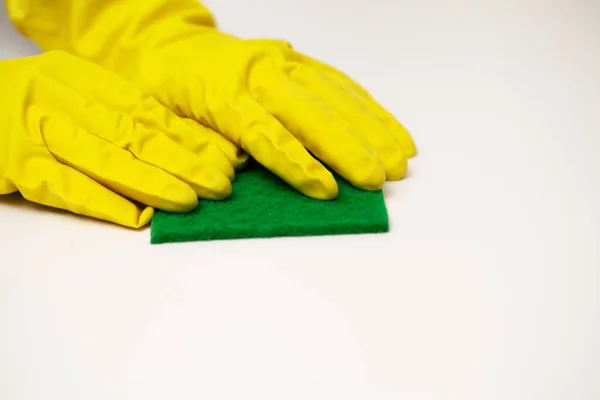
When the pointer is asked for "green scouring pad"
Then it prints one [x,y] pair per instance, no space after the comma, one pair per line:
[262,205]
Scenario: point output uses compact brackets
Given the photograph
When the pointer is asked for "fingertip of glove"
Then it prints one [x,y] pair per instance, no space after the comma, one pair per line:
[407,144]
[240,160]
[187,201]
[134,221]
[410,151]
[323,188]
[220,161]
[228,171]
[396,169]
[218,187]
[145,217]
[223,193]
[369,176]
[325,193]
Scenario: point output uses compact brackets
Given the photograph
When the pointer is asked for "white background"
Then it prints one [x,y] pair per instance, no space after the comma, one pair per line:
[487,286]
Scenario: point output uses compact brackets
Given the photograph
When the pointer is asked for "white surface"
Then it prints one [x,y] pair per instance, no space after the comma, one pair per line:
[486,288]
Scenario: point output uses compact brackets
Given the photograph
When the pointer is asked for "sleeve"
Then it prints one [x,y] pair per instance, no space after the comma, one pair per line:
[107,31]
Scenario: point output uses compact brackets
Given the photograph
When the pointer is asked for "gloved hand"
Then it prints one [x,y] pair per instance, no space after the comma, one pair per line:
[277,104]
[77,137]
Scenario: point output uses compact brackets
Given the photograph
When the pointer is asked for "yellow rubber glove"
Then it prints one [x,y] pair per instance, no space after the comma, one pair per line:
[77,137]
[277,104]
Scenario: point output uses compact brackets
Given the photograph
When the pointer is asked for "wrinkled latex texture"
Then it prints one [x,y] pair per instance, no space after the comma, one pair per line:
[80,138]
[290,112]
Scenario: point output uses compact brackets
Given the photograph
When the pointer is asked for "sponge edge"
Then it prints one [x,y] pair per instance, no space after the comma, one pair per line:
[264,206]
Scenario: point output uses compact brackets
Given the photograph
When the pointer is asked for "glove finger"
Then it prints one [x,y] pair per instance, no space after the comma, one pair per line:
[359,117]
[236,155]
[195,139]
[119,95]
[265,139]
[115,168]
[391,123]
[148,143]
[53,184]
[154,148]
[322,131]
[399,132]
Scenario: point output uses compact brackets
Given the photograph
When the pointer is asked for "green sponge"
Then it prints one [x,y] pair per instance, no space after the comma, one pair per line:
[262,205]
